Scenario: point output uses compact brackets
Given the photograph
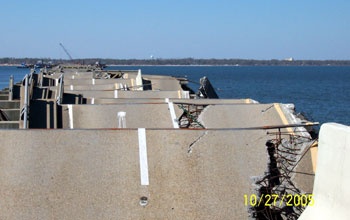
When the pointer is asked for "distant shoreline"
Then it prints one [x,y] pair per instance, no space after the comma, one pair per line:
[10,61]
[173,62]
[6,64]
[191,65]
[226,65]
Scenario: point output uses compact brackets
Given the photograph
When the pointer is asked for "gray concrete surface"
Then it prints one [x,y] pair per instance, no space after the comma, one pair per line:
[106,116]
[157,84]
[174,100]
[4,104]
[49,174]
[239,116]
[157,115]
[165,84]
[331,192]
[9,125]
[12,114]
[89,81]
[92,87]
[4,96]
[129,94]
[151,77]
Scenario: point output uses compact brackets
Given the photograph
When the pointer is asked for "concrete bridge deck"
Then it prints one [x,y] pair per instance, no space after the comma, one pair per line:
[90,81]
[130,94]
[159,115]
[51,174]
[82,165]
[107,84]
[174,100]
[106,116]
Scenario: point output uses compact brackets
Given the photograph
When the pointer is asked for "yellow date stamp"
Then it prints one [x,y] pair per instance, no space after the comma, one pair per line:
[272,200]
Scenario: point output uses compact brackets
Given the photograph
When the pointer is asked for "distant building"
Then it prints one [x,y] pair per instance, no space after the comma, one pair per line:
[289,59]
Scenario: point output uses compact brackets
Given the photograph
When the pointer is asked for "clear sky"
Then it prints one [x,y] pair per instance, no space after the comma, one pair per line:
[256,29]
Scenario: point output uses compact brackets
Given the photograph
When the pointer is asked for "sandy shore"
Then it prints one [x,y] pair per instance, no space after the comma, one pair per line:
[6,64]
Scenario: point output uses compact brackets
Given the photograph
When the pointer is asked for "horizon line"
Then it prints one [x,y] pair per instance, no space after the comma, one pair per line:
[184,58]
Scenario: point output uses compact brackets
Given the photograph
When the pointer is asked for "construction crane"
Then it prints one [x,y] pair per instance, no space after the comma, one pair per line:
[65,50]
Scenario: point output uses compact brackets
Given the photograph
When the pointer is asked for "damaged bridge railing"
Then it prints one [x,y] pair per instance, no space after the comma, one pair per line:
[286,149]
[60,90]
[25,100]
[189,117]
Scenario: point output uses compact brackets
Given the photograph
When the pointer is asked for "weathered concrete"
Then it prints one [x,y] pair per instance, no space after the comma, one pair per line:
[239,116]
[90,81]
[157,115]
[156,84]
[4,97]
[48,174]
[12,114]
[304,171]
[331,188]
[78,74]
[162,100]
[4,104]
[165,84]
[256,115]
[152,77]
[106,116]
[92,87]
[130,94]
[9,125]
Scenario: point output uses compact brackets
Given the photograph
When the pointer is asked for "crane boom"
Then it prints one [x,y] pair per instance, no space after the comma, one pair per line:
[65,50]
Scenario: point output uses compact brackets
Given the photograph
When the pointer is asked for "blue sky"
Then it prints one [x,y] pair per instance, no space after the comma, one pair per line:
[249,29]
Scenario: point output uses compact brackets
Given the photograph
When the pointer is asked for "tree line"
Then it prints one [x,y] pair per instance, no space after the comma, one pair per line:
[183,61]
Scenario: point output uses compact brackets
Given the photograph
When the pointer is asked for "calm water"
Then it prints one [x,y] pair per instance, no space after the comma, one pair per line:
[321,93]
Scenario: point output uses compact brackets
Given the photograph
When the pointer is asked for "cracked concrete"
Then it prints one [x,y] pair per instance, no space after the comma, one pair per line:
[200,117]
[280,178]
[190,147]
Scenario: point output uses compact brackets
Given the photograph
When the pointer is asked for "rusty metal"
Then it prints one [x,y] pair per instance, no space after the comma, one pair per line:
[285,157]
[189,117]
